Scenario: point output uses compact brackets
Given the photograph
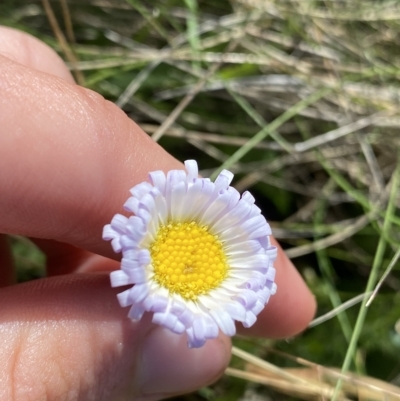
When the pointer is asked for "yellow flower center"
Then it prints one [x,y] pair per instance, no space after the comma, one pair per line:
[188,260]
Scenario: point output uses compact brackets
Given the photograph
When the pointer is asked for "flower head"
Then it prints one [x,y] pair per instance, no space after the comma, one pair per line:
[198,254]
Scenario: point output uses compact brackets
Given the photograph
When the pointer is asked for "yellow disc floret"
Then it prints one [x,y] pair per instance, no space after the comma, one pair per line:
[188,259]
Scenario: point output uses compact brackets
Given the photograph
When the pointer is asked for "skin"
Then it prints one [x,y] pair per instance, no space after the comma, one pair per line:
[68,158]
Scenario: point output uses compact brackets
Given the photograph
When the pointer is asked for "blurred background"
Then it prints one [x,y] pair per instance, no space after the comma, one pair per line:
[300,99]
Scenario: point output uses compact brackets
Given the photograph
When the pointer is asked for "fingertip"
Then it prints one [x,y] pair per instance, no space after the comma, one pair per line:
[168,367]
[31,52]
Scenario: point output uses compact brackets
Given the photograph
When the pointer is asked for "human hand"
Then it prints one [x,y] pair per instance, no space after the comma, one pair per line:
[68,159]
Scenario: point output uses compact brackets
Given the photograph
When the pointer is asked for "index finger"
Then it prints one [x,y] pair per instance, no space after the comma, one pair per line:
[68,158]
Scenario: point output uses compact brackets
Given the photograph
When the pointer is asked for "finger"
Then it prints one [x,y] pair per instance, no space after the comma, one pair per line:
[67,338]
[71,139]
[27,50]
[83,155]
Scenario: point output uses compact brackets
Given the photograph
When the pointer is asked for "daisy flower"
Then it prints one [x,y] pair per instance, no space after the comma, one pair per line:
[198,253]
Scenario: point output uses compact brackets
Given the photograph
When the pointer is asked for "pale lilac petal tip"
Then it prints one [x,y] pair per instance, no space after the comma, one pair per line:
[123,298]
[223,180]
[158,180]
[118,223]
[141,189]
[108,233]
[116,245]
[119,278]
[192,170]
[136,312]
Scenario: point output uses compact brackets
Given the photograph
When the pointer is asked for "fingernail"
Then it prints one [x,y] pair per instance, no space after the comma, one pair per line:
[168,366]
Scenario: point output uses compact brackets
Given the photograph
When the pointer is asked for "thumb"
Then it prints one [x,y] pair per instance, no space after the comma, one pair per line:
[66,337]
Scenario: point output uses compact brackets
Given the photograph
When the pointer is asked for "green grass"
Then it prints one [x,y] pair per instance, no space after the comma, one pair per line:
[300,99]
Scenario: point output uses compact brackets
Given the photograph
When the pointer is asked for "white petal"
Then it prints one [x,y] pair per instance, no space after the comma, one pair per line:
[273,289]
[224,321]
[255,223]
[247,298]
[193,341]
[191,200]
[245,247]
[167,320]
[257,260]
[132,205]
[263,295]
[123,298]
[136,228]
[252,284]
[212,329]
[203,199]
[136,312]
[223,180]
[248,197]
[118,223]
[236,235]
[147,202]
[236,311]
[155,303]
[257,308]
[119,278]
[158,179]
[272,252]
[260,232]
[136,276]
[235,197]
[144,215]
[271,274]
[109,233]
[237,279]
[250,319]
[203,329]
[131,254]
[116,245]
[162,209]
[127,242]
[178,193]
[192,170]
[144,256]
[151,223]
[141,189]
[255,211]
[216,208]
[173,178]
[178,328]
[233,217]
[186,317]
[137,293]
